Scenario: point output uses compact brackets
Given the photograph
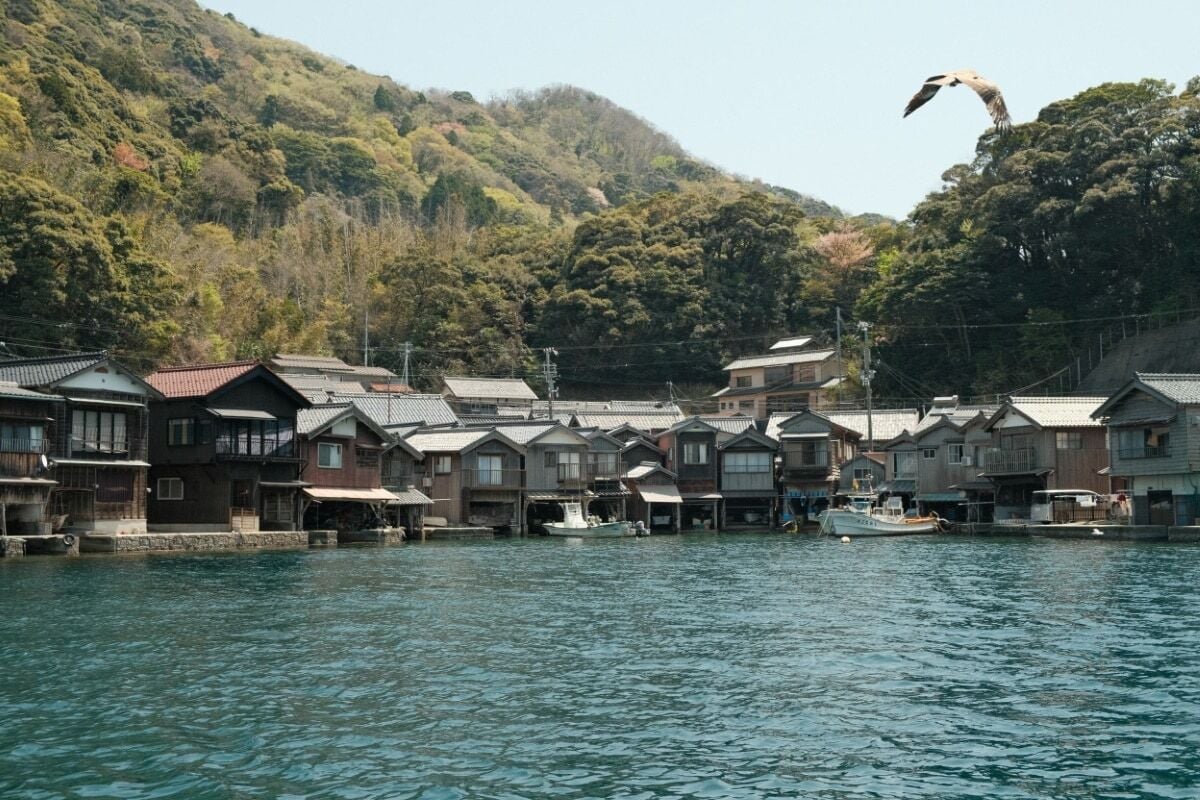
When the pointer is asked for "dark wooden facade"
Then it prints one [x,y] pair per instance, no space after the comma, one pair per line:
[26,428]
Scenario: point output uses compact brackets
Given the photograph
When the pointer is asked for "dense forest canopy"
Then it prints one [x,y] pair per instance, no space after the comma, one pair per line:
[176,186]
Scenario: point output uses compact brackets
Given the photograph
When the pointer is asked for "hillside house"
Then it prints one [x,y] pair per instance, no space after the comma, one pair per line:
[27,420]
[1044,443]
[332,372]
[98,449]
[1153,424]
[223,449]
[792,377]
[473,476]
[488,396]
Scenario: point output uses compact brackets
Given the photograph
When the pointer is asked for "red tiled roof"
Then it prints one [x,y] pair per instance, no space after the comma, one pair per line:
[197,380]
[394,388]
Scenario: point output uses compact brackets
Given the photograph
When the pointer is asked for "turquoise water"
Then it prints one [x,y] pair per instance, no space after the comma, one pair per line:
[695,666]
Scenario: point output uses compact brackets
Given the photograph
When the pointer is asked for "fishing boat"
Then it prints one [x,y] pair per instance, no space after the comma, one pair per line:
[574,523]
[862,518]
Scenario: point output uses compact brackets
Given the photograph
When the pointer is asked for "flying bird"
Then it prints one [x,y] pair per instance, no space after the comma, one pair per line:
[987,91]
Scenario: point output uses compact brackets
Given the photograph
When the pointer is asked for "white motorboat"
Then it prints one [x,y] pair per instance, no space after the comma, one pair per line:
[574,523]
[861,518]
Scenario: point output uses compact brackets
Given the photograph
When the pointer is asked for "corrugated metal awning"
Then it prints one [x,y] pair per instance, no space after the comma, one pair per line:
[352,495]
[240,413]
[660,494]
[97,462]
[412,497]
[899,487]
[701,495]
[563,497]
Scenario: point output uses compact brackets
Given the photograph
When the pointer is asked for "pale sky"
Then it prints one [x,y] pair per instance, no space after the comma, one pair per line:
[806,95]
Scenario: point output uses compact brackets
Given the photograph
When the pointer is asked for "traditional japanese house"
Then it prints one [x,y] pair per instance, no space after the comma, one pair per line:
[812,450]
[863,474]
[1154,431]
[395,412]
[98,450]
[747,480]
[792,377]
[473,476]
[403,472]
[223,448]
[884,423]
[487,396]
[27,421]
[900,468]
[343,452]
[637,450]
[605,475]
[691,448]
[331,370]
[1044,443]
[644,421]
[555,461]
[655,499]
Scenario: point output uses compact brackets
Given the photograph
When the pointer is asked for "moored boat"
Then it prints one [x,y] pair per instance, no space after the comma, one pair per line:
[574,523]
[860,518]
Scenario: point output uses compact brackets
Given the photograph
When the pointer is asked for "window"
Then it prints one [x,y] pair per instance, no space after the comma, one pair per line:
[491,470]
[954,453]
[695,453]
[928,453]
[1144,442]
[1068,440]
[746,463]
[170,488]
[329,455]
[551,458]
[255,437]
[806,373]
[441,465]
[904,464]
[181,432]
[807,454]
[22,437]
[603,464]
[745,405]
[742,381]
[863,474]
[569,466]
[277,506]
[98,431]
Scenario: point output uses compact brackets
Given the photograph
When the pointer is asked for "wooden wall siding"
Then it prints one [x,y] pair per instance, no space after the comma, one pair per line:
[100,493]
[636,455]
[354,474]
[399,470]
[702,472]
[160,452]
[748,482]
[259,394]
[1184,449]
[539,477]
[846,479]
[447,491]
[1139,405]
[510,465]
[206,495]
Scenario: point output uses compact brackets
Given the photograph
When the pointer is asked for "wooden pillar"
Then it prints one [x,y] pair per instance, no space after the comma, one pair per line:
[678,516]
[718,522]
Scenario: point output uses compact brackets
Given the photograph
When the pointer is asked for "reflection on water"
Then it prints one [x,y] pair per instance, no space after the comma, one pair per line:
[695,666]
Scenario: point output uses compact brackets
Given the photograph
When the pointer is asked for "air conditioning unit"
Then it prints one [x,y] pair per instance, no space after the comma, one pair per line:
[966,461]
[427,482]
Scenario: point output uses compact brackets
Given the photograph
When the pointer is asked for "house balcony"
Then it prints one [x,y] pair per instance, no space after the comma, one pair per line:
[240,450]
[494,479]
[1001,461]
[597,471]
[21,458]
[806,464]
[1145,451]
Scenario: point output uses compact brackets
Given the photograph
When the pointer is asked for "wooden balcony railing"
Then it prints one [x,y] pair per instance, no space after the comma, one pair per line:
[493,478]
[1024,459]
[1145,451]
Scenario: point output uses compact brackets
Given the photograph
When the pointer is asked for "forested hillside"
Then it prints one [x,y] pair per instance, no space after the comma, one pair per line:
[176,186]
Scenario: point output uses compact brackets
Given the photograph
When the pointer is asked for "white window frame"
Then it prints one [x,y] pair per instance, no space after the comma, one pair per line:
[188,436]
[324,448]
[955,448]
[442,465]
[162,493]
[494,469]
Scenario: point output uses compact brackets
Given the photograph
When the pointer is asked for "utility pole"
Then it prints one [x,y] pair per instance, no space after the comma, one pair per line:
[671,391]
[550,373]
[841,375]
[366,339]
[867,375]
[404,377]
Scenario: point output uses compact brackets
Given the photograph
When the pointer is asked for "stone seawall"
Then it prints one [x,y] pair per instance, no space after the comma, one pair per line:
[192,542]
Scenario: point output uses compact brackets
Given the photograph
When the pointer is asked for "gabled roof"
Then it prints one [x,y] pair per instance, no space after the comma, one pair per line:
[1172,389]
[592,436]
[1052,412]
[749,435]
[489,388]
[49,371]
[780,359]
[202,380]
[286,361]
[735,424]
[776,431]
[542,406]
[318,419]
[641,441]
[529,432]
[690,423]
[959,415]
[390,410]
[646,421]
[647,468]
[626,427]
[457,440]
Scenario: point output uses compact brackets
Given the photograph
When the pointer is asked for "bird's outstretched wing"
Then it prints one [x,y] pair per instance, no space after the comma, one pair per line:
[990,94]
[924,95]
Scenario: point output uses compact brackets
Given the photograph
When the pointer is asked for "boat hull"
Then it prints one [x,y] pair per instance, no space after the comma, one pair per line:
[851,523]
[604,530]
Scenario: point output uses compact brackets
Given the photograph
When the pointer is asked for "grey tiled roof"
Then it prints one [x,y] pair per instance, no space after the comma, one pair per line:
[960,415]
[429,409]
[448,441]
[734,425]
[650,406]
[490,388]
[886,423]
[1061,412]
[780,359]
[659,420]
[285,361]
[1179,387]
[10,391]
[47,370]
[311,419]
[524,434]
